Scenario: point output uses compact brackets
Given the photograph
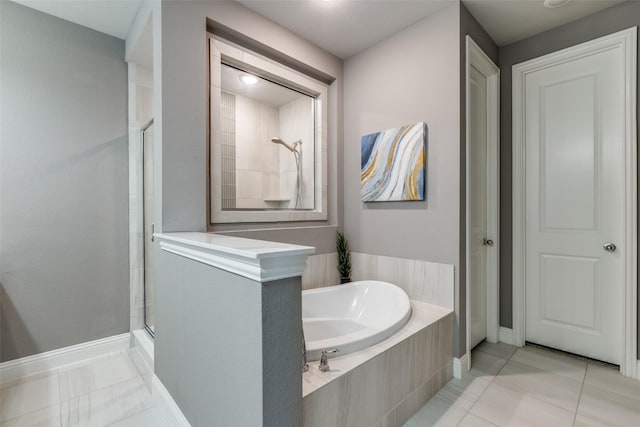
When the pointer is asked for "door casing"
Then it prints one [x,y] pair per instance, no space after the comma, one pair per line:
[625,40]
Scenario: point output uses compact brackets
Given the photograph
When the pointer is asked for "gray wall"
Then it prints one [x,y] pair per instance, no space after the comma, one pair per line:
[64,275]
[606,22]
[468,26]
[184,114]
[228,348]
[410,77]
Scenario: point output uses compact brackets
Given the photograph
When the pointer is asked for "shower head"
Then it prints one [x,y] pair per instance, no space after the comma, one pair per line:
[277,140]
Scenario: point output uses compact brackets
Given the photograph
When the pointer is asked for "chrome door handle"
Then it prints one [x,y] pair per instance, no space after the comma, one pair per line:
[609,247]
[487,242]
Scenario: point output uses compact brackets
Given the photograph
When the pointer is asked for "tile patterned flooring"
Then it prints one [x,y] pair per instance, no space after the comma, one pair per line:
[104,391]
[510,386]
[507,386]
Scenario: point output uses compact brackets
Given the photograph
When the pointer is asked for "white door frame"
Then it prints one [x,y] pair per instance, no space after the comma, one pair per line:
[626,41]
[477,58]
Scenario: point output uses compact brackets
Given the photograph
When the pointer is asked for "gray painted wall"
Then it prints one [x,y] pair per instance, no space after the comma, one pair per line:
[410,77]
[468,26]
[184,115]
[64,273]
[228,348]
[606,22]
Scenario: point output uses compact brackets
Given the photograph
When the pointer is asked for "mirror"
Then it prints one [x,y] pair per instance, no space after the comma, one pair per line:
[268,139]
[267,144]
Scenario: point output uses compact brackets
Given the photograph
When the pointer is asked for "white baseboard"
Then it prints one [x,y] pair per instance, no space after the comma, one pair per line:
[506,335]
[167,405]
[142,352]
[54,359]
[461,366]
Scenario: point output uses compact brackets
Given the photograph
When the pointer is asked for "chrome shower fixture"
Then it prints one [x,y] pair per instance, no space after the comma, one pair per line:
[277,140]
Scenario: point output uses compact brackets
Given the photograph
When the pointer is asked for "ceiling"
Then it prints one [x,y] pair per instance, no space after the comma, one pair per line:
[113,17]
[527,18]
[345,27]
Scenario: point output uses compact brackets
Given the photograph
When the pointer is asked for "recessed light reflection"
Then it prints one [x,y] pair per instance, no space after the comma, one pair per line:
[249,79]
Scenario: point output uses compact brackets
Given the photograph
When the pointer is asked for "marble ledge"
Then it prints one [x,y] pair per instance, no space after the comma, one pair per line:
[258,260]
[422,315]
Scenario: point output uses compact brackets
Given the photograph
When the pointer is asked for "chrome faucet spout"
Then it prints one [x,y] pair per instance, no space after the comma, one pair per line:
[305,365]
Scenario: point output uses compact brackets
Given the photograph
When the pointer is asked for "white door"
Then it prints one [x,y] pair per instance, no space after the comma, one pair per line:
[482,195]
[478,237]
[574,136]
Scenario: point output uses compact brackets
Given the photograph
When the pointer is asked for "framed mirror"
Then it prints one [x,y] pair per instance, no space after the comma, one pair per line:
[267,141]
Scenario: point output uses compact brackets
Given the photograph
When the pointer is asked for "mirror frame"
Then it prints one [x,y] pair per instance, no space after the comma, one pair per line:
[221,51]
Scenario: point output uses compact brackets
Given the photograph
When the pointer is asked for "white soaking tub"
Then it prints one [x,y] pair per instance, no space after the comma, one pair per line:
[352,316]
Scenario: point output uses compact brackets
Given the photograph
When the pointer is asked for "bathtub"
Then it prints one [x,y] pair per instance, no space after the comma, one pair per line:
[352,316]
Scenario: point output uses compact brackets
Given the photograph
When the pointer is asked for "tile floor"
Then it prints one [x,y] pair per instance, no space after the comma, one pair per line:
[510,386]
[507,386]
[104,391]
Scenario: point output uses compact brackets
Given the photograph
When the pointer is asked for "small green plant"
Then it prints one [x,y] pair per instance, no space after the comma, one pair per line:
[344,258]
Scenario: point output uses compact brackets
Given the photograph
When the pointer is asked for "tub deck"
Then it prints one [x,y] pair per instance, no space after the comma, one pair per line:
[388,382]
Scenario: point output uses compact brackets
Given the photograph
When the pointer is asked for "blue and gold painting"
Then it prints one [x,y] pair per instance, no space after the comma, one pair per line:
[393,164]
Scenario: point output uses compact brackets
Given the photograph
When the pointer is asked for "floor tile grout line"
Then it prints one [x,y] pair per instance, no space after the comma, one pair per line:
[490,382]
[29,413]
[584,379]
[52,372]
[551,373]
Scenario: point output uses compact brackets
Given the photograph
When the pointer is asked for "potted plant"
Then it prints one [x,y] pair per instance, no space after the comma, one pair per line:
[344,258]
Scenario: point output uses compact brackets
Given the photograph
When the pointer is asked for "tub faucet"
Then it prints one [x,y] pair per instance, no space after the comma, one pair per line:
[305,365]
[324,362]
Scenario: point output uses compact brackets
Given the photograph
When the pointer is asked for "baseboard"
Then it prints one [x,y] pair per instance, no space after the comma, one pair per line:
[461,366]
[506,335]
[167,405]
[54,359]
[142,349]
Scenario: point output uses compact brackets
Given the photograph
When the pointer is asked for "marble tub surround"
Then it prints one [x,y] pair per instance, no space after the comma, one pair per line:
[425,281]
[321,271]
[387,382]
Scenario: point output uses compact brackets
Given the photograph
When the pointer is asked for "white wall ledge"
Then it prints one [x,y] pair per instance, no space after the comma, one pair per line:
[257,260]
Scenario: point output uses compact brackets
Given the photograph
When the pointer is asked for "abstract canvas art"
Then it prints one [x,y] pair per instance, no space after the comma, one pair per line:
[393,164]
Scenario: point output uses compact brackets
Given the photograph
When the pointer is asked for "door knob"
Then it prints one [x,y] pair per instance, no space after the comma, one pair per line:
[487,242]
[609,247]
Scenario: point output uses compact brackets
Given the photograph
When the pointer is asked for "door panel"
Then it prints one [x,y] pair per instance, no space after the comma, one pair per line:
[478,206]
[574,136]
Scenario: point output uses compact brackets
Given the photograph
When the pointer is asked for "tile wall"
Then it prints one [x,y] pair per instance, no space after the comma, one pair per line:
[424,281]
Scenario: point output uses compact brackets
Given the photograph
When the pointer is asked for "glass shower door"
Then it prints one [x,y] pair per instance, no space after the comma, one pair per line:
[148,226]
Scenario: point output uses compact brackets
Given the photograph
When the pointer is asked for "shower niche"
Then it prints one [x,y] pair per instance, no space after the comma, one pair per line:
[267,140]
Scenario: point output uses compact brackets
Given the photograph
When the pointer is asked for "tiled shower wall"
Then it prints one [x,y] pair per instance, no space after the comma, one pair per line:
[425,281]
[257,159]
[296,123]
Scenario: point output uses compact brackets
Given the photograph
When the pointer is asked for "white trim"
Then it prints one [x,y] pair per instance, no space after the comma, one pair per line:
[166,404]
[54,359]
[254,259]
[506,335]
[142,352]
[248,60]
[461,366]
[625,40]
[476,57]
